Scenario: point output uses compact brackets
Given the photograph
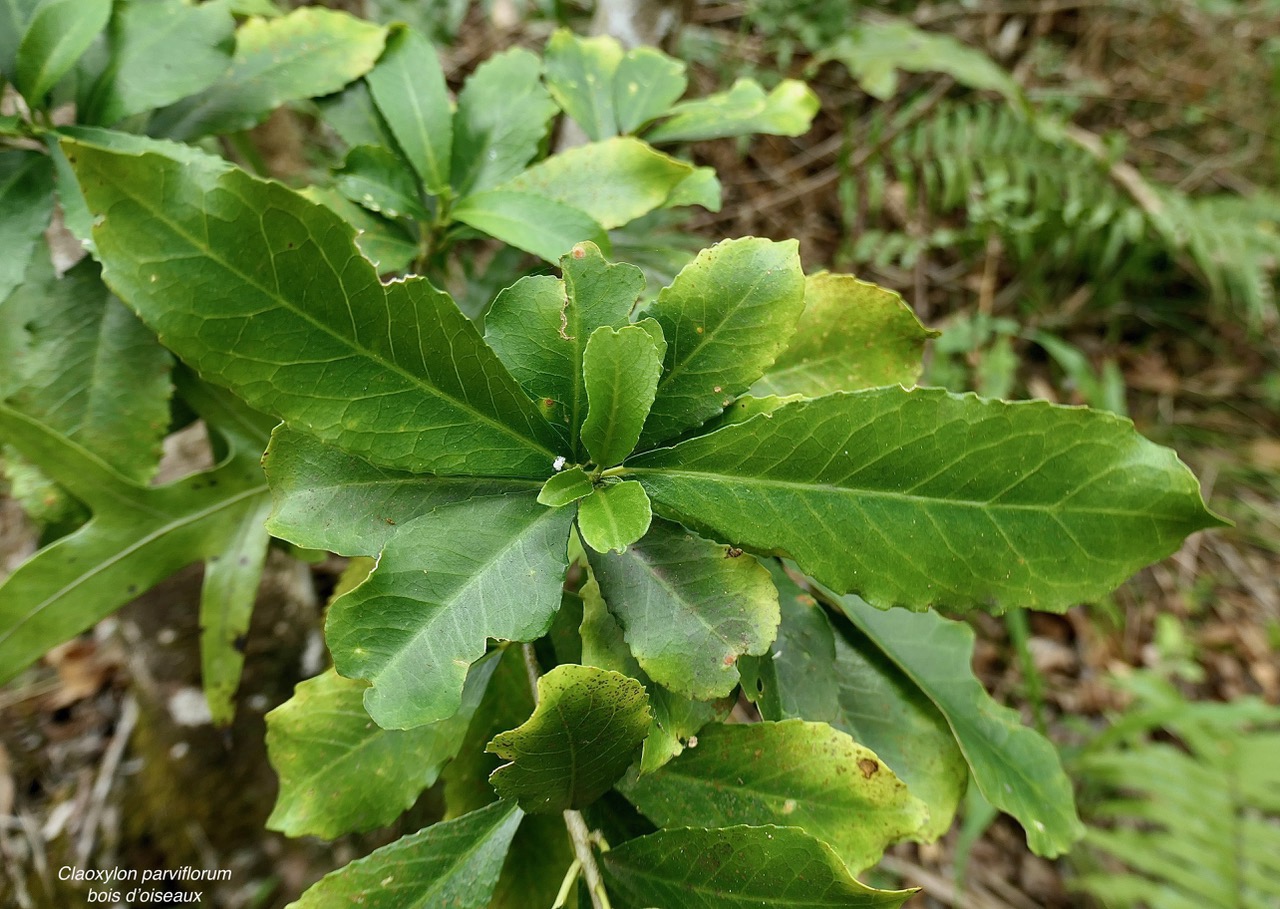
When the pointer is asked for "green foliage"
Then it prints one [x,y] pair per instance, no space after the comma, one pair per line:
[587,727]
[1189,822]
[577,482]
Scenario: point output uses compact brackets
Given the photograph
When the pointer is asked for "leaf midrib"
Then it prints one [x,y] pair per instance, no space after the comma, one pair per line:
[817,487]
[286,304]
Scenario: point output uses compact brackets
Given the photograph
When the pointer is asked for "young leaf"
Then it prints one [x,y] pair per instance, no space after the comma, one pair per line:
[675,718]
[565,488]
[328,499]
[851,335]
[743,109]
[26,204]
[646,83]
[539,328]
[726,317]
[340,772]
[292,316]
[1016,768]
[736,868]
[138,536]
[446,583]
[453,863]
[190,45]
[688,608]
[586,729]
[305,54]
[801,774]
[579,74]
[614,516]
[620,370]
[921,497]
[58,32]
[528,221]
[503,113]
[408,87]
[375,178]
[614,181]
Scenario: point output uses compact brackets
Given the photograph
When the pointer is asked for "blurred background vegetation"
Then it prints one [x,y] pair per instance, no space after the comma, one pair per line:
[1085,197]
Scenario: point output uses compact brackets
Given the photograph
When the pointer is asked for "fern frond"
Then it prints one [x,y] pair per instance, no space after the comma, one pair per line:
[1182,827]
[988,168]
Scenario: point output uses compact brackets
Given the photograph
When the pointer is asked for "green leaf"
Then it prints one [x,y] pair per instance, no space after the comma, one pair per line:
[455,863]
[614,181]
[614,516]
[93,372]
[1016,768]
[536,224]
[355,118]
[620,370]
[921,497]
[579,74]
[802,774]
[539,328]
[726,317]
[15,16]
[389,246]
[874,51]
[305,54]
[794,679]
[507,703]
[378,180]
[565,488]
[851,335]
[582,736]
[26,205]
[287,312]
[161,52]
[340,772]
[735,868]
[646,83]
[502,116]
[227,597]
[229,590]
[885,710]
[675,718]
[58,32]
[138,536]
[537,861]
[743,109]
[408,87]
[446,583]
[689,608]
[330,500]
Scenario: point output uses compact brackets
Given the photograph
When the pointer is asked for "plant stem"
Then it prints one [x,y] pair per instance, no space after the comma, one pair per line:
[578,832]
[581,837]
